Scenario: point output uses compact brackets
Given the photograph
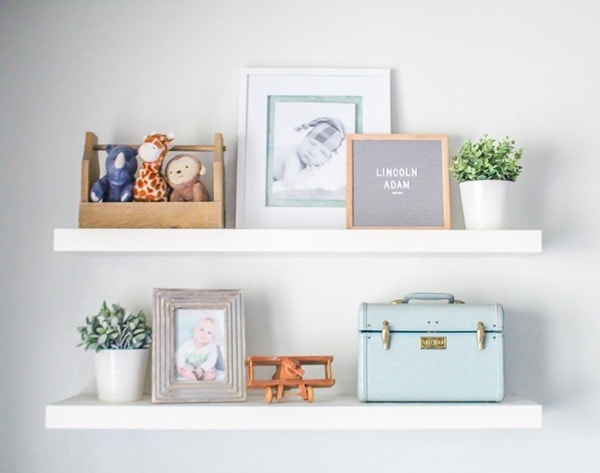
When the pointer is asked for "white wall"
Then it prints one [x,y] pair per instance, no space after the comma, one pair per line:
[121,68]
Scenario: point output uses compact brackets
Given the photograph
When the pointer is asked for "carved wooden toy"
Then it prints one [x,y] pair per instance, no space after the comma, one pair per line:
[289,374]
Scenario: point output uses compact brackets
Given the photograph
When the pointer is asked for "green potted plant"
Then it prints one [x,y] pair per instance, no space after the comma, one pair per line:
[486,171]
[120,340]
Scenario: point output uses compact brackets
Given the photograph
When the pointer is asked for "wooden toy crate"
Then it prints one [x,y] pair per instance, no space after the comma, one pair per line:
[151,214]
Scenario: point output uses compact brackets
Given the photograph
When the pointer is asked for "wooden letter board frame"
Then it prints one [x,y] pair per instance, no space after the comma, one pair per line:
[397,181]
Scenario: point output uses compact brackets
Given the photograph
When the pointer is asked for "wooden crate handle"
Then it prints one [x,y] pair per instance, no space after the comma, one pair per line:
[101,147]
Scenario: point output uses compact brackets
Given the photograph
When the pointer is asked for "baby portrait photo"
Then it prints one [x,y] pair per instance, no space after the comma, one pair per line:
[306,154]
[199,345]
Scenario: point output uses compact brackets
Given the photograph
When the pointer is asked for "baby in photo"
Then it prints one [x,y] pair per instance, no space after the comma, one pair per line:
[307,166]
[197,358]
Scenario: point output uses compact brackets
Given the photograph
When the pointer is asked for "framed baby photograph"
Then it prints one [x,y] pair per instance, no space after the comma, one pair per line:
[398,181]
[198,347]
[292,142]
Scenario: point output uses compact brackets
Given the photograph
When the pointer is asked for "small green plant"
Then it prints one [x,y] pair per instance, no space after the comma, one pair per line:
[115,329]
[487,159]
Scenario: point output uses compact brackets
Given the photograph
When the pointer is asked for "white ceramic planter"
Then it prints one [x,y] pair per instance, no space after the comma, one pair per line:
[120,374]
[486,204]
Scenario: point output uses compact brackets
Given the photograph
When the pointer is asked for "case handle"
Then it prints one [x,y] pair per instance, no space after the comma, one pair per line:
[427,296]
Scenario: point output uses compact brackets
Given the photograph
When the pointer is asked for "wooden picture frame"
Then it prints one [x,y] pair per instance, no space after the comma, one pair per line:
[398,181]
[198,346]
[279,110]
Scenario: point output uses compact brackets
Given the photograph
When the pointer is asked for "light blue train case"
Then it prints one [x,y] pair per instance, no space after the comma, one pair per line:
[430,347]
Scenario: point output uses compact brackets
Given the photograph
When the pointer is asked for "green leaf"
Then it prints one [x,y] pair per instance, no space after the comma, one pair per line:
[114,327]
[486,159]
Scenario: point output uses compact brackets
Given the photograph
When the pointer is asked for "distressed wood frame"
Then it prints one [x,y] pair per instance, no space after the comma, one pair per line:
[166,388]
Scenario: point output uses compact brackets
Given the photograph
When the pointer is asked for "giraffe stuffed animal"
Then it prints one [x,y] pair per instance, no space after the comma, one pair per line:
[150,185]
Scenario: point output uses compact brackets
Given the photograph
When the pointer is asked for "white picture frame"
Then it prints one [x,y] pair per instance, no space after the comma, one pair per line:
[277,102]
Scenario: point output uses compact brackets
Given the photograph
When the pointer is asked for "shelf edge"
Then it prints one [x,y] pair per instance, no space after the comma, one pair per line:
[84,412]
[224,241]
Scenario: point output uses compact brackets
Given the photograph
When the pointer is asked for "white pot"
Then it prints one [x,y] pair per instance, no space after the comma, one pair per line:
[120,374]
[486,204]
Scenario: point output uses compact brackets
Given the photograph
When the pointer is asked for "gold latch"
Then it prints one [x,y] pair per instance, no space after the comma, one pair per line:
[480,335]
[385,335]
[433,343]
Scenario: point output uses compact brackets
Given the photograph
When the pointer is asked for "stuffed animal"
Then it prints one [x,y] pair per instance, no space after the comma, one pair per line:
[150,185]
[117,184]
[183,176]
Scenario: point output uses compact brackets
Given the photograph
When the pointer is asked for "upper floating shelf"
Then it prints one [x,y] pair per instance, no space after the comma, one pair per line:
[404,242]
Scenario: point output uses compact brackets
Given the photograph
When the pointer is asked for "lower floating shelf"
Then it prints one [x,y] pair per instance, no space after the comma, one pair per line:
[86,412]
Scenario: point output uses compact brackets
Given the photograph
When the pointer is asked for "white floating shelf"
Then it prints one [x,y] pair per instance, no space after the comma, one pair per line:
[86,412]
[406,242]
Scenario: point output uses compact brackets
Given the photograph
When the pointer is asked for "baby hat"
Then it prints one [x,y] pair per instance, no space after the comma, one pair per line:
[326,130]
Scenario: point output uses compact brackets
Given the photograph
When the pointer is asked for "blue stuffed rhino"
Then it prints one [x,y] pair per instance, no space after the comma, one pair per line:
[117,184]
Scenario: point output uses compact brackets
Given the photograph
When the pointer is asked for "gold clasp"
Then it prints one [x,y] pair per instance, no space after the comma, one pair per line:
[385,335]
[480,335]
[433,343]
